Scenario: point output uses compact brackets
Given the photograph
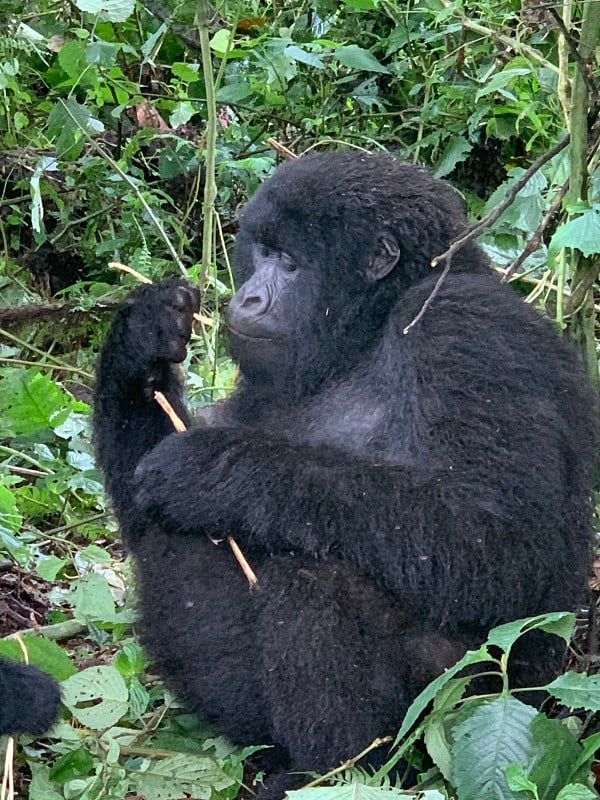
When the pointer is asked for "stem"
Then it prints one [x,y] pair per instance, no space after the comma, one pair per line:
[582,327]
[210,185]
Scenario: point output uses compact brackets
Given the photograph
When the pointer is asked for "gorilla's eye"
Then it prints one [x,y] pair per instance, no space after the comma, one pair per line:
[287,263]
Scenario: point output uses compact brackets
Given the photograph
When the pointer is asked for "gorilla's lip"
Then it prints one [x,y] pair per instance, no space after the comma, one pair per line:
[251,337]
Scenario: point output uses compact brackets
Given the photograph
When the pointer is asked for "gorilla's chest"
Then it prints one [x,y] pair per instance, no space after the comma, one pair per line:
[363,420]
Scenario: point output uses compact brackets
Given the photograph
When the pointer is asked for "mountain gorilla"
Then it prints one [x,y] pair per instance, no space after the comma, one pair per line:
[29,699]
[396,494]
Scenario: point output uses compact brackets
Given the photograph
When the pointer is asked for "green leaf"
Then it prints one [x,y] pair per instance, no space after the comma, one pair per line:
[359,59]
[554,756]
[456,150]
[44,653]
[66,122]
[421,702]
[518,781]
[93,599]
[187,72]
[500,80]
[183,774]
[577,690]
[559,623]
[42,787]
[298,54]
[113,10]
[581,233]
[576,791]
[76,764]
[104,54]
[31,402]
[220,41]
[72,58]
[438,746]
[493,736]
[182,113]
[10,517]
[48,567]
[102,686]
[234,92]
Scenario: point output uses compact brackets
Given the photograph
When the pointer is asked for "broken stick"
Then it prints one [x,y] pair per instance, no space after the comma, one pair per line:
[179,426]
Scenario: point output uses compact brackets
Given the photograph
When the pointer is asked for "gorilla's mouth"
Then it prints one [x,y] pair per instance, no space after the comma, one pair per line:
[250,337]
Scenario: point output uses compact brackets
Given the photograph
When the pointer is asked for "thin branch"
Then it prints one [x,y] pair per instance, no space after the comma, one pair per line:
[477,229]
[281,148]
[436,290]
[349,763]
[48,312]
[203,14]
[508,41]
[179,426]
[535,241]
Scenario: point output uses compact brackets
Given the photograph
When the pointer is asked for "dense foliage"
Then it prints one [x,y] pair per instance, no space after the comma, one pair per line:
[132,130]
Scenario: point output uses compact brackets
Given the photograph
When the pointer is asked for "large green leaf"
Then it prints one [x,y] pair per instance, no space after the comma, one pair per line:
[114,10]
[183,774]
[456,150]
[44,653]
[31,402]
[581,233]
[559,623]
[554,757]
[102,686]
[577,690]
[495,735]
[359,59]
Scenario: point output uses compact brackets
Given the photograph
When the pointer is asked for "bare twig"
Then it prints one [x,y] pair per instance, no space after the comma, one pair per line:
[179,426]
[56,632]
[349,763]
[162,401]
[477,229]
[281,148]
[45,312]
[434,293]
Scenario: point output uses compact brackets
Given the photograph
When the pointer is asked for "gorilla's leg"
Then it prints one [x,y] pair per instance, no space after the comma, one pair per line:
[198,623]
[340,662]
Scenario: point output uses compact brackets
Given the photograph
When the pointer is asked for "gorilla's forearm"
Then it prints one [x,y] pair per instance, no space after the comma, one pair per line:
[127,420]
[277,497]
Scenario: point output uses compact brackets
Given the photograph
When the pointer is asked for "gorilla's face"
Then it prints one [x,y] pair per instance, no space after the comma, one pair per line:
[272,314]
[310,268]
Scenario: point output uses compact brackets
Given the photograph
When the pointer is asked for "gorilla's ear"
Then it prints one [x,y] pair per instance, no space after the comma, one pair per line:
[384,259]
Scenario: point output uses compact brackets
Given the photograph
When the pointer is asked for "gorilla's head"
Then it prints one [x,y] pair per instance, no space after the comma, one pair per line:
[325,249]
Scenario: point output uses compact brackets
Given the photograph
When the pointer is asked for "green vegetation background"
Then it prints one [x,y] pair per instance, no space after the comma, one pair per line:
[131,132]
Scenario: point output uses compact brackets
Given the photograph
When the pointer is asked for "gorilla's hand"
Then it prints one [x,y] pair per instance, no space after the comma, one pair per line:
[150,332]
[190,481]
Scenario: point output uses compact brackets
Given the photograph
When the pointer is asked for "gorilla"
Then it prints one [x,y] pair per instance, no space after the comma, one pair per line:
[397,494]
[29,699]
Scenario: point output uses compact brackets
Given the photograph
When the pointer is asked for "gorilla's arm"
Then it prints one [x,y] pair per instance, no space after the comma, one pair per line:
[29,699]
[149,334]
[278,497]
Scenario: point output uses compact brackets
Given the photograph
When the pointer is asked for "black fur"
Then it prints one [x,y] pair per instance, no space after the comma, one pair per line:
[396,494]
[29,699]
